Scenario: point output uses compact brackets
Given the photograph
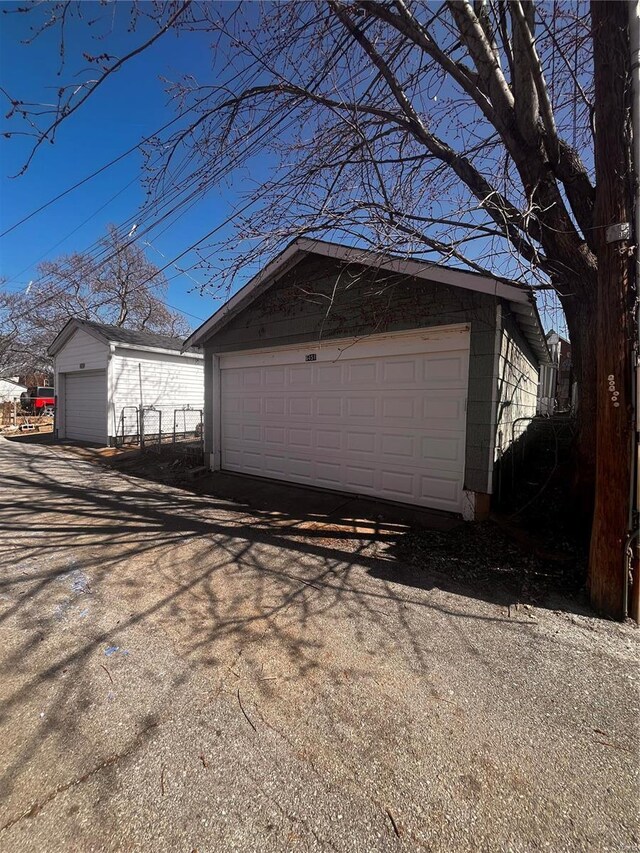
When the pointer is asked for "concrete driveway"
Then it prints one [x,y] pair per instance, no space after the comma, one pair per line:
[179,673]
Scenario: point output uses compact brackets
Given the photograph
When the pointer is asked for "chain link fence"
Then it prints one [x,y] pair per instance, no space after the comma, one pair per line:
[539,447]
[163,430]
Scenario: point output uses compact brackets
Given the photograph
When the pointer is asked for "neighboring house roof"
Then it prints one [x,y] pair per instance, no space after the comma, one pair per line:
[519,296]
[130,338]
[17,385]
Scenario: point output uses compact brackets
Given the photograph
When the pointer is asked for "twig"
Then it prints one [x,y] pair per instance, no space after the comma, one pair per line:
[395,826]
[203,760]
[308,583]
[107,671]
[244,712]
[162,788]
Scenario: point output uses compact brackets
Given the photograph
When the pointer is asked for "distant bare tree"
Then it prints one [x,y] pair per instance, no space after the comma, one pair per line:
[120,287]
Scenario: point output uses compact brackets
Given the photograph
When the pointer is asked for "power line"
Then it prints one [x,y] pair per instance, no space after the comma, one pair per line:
[71,233]
[191,197]
[122,156]
[86,179]
[97,172]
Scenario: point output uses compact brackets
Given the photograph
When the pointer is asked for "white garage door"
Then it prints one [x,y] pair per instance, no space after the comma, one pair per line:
[382,417]
[85,406]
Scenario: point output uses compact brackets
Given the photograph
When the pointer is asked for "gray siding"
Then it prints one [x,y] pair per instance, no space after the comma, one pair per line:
[517,386]
[321,299]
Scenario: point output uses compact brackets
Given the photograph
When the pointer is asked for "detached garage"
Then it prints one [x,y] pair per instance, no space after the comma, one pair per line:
[102,371]
[371,374]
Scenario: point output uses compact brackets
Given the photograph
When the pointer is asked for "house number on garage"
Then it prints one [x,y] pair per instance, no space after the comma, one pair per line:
[310,357]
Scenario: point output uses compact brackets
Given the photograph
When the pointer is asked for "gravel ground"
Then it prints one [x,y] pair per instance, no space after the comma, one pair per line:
[181,673]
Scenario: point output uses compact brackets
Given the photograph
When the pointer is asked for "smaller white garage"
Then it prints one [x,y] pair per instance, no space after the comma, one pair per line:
[104,373]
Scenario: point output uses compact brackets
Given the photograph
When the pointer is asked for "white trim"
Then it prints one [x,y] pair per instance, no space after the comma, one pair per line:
[111,409]
[495,394]
[216,415]
[176,352]
[432,339]
[300,248]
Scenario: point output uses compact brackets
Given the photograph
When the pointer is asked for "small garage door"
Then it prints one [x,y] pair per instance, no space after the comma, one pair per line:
[85,406]
[382,417]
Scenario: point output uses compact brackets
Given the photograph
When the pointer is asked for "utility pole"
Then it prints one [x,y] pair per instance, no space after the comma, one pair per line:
[633,544]
[615,334]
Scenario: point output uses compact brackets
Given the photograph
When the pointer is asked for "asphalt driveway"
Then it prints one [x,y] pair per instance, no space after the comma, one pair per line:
[180,673]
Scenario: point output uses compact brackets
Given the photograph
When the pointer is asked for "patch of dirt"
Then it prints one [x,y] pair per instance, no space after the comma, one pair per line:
[485,556]
[163,468]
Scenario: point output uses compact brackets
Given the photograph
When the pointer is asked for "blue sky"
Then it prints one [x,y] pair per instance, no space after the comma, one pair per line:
[129,107]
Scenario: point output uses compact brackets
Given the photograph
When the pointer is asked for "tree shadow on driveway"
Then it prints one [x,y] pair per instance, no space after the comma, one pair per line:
[209,577]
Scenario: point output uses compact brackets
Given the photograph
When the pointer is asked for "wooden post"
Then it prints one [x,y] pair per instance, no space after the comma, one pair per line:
[615,326]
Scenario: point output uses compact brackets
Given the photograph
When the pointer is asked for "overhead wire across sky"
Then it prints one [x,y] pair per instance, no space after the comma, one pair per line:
[166,208]
[178,200]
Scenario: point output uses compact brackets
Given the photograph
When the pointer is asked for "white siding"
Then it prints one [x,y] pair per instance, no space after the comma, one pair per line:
[167,382]
[81,348]
[517,387]
[9,391]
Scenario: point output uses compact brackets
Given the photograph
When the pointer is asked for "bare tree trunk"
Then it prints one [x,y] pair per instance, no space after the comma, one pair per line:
[614,313]
[581,317]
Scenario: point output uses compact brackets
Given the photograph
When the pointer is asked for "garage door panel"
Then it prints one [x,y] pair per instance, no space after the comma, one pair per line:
[329,374]
[232,378]
[399,372]
[358,477]
[328,439]
[251,432]
[300,405]
[398,483]
[442,451]
[329,407]
[275,435]
[274,464]
[447,410]
[302,468]
[444,489]
[390,426]
[300,377]
[275,405]
[359,373]
[274,377]
[397,407]
[329,473]
[85,406]
[398,444]
[361,442]
[450,371]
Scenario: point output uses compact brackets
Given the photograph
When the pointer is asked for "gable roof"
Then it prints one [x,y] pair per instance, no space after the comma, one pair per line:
[130,338]
[519,296]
